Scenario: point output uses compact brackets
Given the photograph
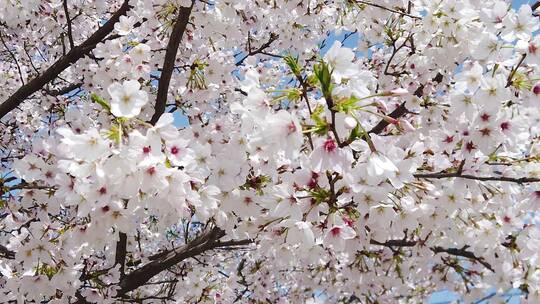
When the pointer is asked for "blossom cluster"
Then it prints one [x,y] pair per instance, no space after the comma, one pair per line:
[228,151]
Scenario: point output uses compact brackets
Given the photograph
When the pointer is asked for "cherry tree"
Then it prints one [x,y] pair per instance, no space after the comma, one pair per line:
[259,151]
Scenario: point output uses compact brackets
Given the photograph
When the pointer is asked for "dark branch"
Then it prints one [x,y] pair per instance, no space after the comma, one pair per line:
[70,32]
[13,57]
[62,64]
[260,50]
[402,110]
[388,9]
[6,253]
[65,90]
[209,240]
[463,252]
[397,113]
[121,250]
[519,180]
[168,64]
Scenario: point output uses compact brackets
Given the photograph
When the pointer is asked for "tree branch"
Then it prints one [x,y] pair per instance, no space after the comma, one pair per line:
[65,90]
[14,58]
[388,9]
[463,253]
[397,113]
[437,249]
[63,63]
[168,63]
[402,110]
[519,180]
[6,253]
[535,6]
[207,241]
[70,33]
[260,50]
[121,250]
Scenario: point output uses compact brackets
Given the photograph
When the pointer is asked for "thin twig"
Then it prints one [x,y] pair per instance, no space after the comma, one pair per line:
[70,33]
[388,9]
[273,37]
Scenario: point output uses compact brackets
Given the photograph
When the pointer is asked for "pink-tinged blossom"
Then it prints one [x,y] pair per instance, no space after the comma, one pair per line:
[328,156]
[416,156]
[336,236]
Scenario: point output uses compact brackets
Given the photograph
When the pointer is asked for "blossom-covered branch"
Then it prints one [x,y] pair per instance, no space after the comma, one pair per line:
[64,62]
[388,148]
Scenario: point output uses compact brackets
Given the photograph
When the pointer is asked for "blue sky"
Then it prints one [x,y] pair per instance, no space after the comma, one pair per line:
[517,3]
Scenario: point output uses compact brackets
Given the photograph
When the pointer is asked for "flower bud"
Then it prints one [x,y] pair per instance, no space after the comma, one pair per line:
[536,89]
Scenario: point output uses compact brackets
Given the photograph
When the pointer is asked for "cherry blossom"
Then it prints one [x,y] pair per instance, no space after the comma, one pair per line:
[279,151]
[127,98]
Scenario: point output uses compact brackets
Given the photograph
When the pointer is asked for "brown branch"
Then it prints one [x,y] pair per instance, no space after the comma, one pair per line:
[510,80]
[463,252]
[63,63]
[70,32]
[402,110]
[142,275]
[234,243]
[388,9]
[395,50]
[330,104]
[121,250]
[65,90]
[397,113]
[260,50]
[179,27]
[519,180]
[6,253]
[207,241]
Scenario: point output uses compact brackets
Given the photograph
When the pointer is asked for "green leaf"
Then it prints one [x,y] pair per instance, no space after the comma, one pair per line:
[292,62]
[99,100]
[346,105]
[294,95]
[355,133]
[321,126]
[115,133]
[47,270]
[324,75]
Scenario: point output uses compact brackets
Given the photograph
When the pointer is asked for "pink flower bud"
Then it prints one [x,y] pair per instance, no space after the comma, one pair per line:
[536,89]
